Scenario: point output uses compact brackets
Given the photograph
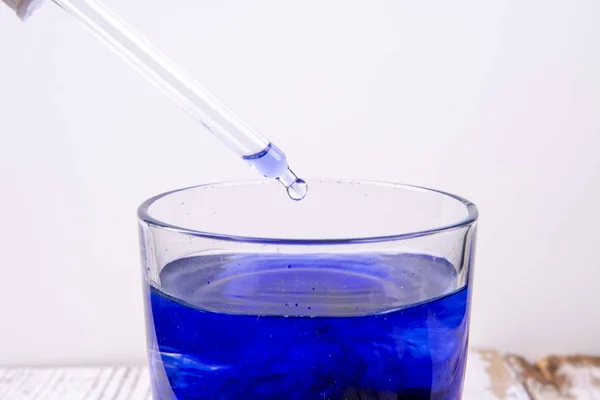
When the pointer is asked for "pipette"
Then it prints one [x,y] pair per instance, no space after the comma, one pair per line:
[247,143]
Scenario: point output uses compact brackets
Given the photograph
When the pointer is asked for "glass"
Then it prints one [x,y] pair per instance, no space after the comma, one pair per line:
[360,291]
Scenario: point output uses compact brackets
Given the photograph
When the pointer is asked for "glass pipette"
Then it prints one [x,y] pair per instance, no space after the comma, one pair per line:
[260,153]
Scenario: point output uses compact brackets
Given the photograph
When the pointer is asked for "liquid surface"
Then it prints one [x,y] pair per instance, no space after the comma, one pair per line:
[308,327]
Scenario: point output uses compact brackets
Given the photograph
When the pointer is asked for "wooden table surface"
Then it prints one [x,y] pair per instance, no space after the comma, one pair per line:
[490,376]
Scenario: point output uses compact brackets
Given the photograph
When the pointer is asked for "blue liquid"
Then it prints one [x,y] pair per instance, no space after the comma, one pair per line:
[271,162]
[308,327]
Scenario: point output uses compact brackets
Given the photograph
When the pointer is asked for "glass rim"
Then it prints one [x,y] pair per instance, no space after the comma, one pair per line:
[471,217]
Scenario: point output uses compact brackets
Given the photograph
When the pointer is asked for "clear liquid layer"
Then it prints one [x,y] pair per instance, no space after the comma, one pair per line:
[308,327]
[307,285]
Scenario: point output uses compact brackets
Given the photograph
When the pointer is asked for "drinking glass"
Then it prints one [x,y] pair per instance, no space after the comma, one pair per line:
[359,291]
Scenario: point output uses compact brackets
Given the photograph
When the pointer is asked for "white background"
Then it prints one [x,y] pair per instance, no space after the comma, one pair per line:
[495,101]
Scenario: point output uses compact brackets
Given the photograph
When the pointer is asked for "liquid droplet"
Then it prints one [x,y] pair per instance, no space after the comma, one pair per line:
[296,187]
[297,190]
